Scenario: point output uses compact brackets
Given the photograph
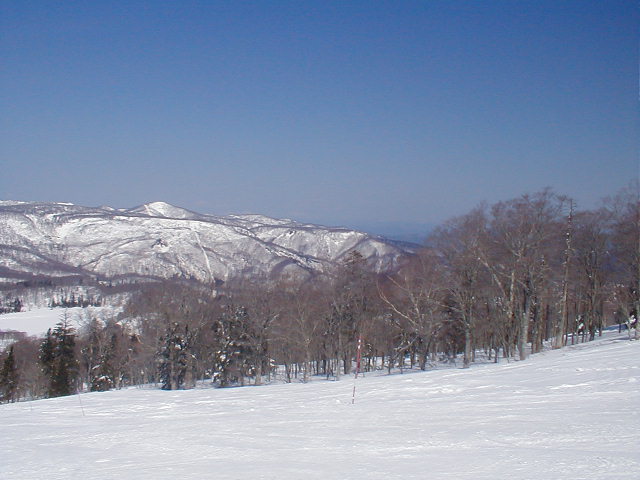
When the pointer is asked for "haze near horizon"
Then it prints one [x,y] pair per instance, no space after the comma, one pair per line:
[355,114]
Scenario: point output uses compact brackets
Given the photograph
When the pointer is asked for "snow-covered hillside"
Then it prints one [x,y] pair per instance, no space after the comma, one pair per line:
[564,414]
[160,240]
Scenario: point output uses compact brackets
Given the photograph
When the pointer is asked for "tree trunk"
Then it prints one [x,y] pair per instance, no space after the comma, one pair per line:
[258,380]
[467,346]
[523,334]
[561,328]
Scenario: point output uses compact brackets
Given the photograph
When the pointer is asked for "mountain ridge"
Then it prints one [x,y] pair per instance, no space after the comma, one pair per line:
[160,240]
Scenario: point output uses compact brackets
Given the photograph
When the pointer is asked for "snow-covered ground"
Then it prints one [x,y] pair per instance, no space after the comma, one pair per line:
[564,414]
[38,321]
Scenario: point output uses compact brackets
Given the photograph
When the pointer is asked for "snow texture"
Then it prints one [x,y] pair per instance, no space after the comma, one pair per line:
[563,414]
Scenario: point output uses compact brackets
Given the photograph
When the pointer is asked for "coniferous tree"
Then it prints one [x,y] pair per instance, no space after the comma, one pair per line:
[58,359]
[176,359]
[66,368]
[47,354]
[9,378]
[241,345]
[228,356]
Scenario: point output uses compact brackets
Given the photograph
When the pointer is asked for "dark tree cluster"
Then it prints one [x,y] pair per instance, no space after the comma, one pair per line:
[58,359]
[10,305]
[9,379]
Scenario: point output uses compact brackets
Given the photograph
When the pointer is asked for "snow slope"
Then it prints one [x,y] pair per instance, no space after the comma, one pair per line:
[566,414]
[38,321]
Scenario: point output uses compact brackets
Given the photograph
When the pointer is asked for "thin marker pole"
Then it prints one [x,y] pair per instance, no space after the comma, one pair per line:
[358,360]
[81,406]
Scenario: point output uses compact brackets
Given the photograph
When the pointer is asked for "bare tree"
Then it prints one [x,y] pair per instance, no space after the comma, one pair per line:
[563,320]
[625,210]
[517,256]
[414,297]
[592,261]
[299,328]
[353,286]
[458,245]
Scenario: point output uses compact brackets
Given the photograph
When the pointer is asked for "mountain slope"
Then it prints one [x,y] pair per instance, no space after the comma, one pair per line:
[562,414]
[158,240]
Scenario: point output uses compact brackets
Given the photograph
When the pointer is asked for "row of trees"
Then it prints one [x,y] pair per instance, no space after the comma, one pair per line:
[65,360]
[525,271]
[497,282]
[10,305]
[66,292]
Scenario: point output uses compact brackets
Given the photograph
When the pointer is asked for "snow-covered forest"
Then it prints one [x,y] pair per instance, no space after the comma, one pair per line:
[500,282]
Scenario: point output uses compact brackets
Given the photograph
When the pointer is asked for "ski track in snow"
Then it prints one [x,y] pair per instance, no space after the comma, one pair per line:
[206,258]
[563,414]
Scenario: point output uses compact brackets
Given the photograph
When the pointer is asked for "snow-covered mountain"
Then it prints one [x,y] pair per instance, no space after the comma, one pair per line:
[158,240]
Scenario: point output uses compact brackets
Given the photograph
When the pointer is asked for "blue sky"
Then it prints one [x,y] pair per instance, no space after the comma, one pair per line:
[351,113]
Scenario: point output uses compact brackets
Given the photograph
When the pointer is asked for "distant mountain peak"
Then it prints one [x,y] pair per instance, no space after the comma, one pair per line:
[160,240]
[163,209]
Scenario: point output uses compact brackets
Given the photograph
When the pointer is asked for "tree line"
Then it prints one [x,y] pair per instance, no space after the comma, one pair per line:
[499,282]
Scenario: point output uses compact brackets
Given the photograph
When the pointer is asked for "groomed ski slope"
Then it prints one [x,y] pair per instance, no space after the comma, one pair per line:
[566,414]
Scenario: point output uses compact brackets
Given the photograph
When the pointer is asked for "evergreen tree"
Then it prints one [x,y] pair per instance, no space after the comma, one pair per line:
[47,354]
[66,368]
[58,359]
[231,358]
[9,378]
[176,358]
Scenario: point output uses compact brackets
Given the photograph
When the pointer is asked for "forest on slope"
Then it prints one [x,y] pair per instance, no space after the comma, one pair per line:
[499,282]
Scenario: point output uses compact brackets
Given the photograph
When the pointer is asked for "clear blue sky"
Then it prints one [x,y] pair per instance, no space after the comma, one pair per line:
[347,113]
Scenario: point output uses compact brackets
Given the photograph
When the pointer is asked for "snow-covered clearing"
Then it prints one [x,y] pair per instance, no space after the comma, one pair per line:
[38,321]
[564,414]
